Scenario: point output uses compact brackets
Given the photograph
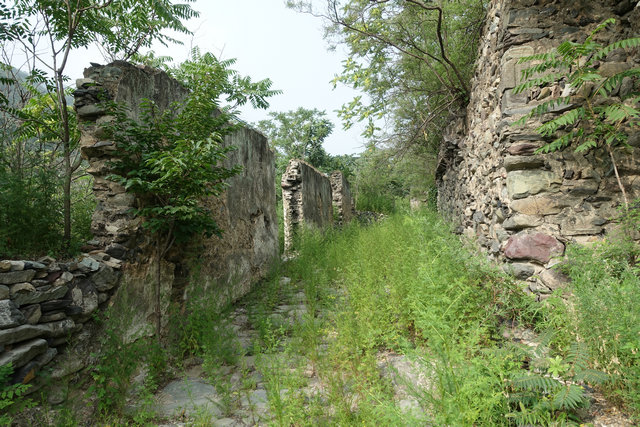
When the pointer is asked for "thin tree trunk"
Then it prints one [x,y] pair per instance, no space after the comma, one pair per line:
[615,169]
[159,252]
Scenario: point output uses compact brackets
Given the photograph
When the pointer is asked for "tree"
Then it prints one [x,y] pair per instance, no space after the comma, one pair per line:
[412,59]
[56,27]
[171,159]
[298,134]
[593,116]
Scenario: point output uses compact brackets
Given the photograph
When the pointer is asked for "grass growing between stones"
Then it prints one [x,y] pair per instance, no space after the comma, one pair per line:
[395,323]
[403,327]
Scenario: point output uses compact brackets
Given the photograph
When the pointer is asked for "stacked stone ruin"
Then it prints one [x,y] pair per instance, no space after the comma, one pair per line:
[46,306]
[311,198]
[524,208]
[44,302]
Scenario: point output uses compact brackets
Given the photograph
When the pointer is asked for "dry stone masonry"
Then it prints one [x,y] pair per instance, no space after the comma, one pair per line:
[307,199]
[343,203]
[523,208]
[44,305]
[246,212]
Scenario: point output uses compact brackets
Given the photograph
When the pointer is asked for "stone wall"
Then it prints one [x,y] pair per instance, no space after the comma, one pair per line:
[307,199]
[343,204]
[43,303]
[245,212]
[523,208]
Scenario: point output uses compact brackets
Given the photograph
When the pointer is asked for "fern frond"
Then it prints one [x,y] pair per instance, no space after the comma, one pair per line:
[536,383]
[545,338]
[548,56]
[578,355]
[536,82]
[586,145]
[559,143]
[569,397]
[551,64]
[618,112]
[621,44]
[547,106]
[568,118]
[584,75]
[610,83]
[591,376]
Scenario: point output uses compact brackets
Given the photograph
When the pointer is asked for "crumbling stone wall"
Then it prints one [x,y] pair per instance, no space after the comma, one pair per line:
[306,197]
[45,304]
[245,212]
[343,203]
[523,208]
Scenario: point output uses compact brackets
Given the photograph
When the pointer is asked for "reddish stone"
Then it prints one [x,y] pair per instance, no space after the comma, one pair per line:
[536,247]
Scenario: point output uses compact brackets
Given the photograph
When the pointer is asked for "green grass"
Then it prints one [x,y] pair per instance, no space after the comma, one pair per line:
[408,286]
[606,286]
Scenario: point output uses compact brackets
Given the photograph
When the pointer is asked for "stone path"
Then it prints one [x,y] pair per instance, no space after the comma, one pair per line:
[252,390]
[245,394]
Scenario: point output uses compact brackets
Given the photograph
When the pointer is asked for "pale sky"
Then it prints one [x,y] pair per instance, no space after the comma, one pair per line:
[268,40]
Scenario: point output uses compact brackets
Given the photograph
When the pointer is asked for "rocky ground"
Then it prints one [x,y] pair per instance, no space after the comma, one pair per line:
[242,394]
[245,393]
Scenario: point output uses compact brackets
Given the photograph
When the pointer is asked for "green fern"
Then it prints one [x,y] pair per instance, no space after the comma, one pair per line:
[533,382]
[568,397]
[621,44]
[537,82]
[553,389]
[596,123]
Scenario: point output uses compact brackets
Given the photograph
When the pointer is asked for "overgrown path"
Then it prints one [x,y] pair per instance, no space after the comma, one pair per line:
[391,324]
[265,370]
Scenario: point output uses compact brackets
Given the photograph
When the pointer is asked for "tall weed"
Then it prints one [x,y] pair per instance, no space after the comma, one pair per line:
[408,285]
[606,286]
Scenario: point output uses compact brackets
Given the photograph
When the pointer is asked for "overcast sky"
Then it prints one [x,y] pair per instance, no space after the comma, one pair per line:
[268,40]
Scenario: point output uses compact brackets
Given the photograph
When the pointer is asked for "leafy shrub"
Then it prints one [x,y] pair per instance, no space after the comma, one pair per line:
[11,396]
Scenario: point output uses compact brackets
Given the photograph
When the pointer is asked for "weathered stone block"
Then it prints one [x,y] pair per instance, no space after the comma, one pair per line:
[538,247]
[32,313]
[521,184]
[540,205]
[582,224]
[11,277]
[520,221]
[554,279]
[28,372]
[21,355]
[105,278]
[519,270]
[512,163]
[38,296]
[10,316]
